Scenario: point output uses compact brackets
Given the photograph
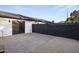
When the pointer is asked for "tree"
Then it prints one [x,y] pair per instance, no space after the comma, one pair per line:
[74,17]
[53,21]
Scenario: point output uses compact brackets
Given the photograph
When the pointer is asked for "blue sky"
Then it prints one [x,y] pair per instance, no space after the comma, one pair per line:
[47,12]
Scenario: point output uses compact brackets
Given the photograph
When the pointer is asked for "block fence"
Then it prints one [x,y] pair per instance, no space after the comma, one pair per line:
[62,30]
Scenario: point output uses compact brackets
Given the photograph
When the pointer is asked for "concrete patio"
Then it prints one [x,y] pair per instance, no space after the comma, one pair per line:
[38,43]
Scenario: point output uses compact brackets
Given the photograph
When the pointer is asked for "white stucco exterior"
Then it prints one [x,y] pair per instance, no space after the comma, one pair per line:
[28,27]
[7,30]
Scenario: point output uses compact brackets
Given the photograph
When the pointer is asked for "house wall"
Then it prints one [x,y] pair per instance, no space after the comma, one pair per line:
[33,22]
[28,27]
[7,30]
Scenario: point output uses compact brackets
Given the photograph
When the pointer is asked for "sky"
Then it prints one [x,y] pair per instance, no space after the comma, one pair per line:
[48,12]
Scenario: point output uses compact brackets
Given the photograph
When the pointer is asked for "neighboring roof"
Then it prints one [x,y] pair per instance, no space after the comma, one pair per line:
[18,16]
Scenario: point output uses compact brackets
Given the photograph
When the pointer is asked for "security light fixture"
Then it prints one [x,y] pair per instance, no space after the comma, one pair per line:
[9,21]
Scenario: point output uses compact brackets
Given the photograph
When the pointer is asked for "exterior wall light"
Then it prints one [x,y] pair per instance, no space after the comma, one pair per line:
[9,21]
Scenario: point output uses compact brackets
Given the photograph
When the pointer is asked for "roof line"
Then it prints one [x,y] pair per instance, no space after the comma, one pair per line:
[18,16]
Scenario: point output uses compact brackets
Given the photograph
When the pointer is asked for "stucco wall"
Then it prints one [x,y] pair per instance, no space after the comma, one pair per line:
[7,30]
[28,27]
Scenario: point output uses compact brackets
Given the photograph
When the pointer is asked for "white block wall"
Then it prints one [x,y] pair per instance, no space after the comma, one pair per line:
[7,26]
[28,27]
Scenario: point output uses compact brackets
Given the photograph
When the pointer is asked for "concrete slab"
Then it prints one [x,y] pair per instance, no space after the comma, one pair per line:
[39,43]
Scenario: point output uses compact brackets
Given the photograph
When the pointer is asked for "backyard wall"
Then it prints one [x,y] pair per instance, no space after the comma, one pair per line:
[7,30]
[69,31]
